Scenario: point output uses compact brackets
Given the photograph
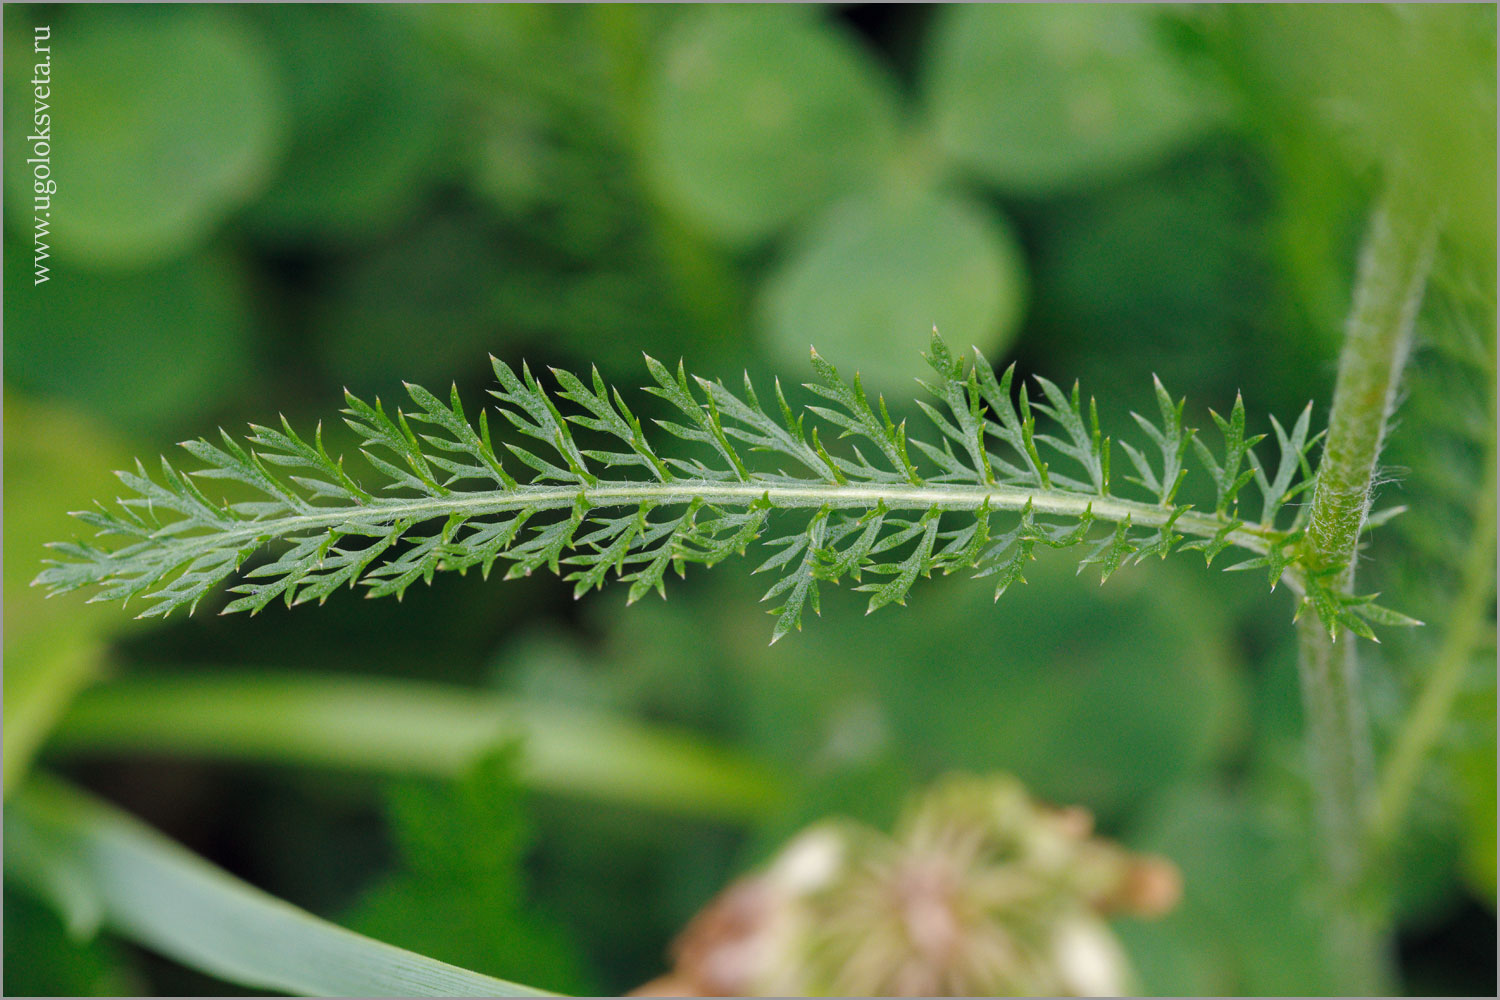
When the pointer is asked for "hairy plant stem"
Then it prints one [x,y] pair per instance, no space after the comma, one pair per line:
[1392,274]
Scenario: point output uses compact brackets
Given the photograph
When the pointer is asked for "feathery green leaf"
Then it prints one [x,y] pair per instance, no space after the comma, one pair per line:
[604,501]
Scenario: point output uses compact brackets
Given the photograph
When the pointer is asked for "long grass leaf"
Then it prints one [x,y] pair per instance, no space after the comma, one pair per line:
[395,726]
[102,867]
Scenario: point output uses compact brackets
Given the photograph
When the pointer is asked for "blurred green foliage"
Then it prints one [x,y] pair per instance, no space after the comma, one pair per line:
[1089,93]
[746,137]
[130,347]
[459,895]
[175,121]
[41,960]
[1247,922]
[56,460]
[341,178]
[895,259]
[1099,702]
[259,205]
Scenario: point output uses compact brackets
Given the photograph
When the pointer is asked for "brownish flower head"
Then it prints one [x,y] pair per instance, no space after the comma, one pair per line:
[980,892]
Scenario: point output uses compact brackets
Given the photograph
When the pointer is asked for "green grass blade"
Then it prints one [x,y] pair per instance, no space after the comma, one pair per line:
[102,866]
[411,727]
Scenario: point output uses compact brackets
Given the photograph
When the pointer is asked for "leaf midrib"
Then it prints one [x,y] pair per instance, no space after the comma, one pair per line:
[621,493]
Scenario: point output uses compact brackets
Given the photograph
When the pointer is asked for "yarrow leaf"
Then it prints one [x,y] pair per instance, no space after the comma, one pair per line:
[603,500]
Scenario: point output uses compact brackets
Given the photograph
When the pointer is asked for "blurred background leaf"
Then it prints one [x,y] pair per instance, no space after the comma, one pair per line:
[1385,81]
[140,349]
[173,120]
[866,275]
[55,461]
[1246,921]
[1040,99]
[1100,701]
[744,136]
[367,123]
[99,866]
[43,960]
[461,896]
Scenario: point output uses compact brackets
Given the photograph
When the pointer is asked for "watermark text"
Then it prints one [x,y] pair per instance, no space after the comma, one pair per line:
[44,185]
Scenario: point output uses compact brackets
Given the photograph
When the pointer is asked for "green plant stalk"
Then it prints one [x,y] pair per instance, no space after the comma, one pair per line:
[1388,291]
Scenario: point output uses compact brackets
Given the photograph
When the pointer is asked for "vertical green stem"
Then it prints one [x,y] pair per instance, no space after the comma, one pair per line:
[1338,747]
[1392,273]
